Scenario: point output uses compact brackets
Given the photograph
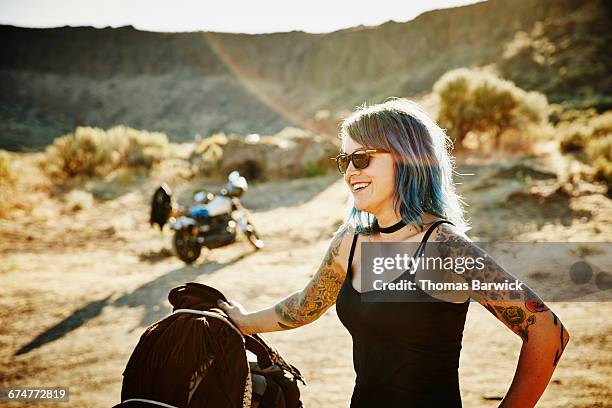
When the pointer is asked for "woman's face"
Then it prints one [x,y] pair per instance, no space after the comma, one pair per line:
[379,176]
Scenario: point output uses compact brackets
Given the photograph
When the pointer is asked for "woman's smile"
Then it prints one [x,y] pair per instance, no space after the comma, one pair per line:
[358,187]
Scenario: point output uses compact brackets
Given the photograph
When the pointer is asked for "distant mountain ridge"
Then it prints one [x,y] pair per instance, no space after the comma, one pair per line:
[197,83]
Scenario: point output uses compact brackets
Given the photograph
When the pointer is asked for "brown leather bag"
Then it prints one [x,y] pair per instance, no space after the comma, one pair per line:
[197,357]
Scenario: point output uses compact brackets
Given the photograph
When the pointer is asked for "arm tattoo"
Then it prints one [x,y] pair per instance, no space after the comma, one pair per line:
[309,304]
[517,309]
[561,342]
[515,317]
[453,245]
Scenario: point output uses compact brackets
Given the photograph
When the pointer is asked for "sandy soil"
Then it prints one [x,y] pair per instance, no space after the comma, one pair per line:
[78,288]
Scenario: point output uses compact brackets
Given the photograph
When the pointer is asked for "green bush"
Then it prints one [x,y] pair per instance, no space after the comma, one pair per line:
[480,102]
[92,151]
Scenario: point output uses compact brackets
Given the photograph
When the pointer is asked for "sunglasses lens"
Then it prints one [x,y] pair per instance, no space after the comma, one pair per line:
[343,163]
[361,160]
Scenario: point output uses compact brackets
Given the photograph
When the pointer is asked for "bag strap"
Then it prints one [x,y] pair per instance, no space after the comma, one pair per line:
[148,401]
[267,356]
[213,315]
[263,358]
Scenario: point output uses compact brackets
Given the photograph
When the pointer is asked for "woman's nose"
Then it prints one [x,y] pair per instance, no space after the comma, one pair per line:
[350,170]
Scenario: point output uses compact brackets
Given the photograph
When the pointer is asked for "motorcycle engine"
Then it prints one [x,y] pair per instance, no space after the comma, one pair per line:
[218,231]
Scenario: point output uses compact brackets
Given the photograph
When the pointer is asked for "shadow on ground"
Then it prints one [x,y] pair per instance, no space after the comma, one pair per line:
[74,321]
[152,296]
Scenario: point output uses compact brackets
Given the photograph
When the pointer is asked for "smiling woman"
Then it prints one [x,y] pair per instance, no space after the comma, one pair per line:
[396,162]
[417,151]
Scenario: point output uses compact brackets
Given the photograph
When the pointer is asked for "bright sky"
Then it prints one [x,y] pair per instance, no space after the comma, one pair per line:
[246,16]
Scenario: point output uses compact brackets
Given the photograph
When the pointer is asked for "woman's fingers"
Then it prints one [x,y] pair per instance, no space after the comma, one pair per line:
[235,311]
[231,307]
[223,305]
[235,305]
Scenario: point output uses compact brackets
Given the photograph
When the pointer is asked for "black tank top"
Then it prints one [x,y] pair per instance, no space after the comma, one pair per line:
[405,354]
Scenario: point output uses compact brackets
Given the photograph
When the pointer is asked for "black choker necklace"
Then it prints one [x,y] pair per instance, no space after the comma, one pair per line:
[395,227]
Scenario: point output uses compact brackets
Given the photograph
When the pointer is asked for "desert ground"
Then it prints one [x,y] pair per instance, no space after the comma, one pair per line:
[79,287]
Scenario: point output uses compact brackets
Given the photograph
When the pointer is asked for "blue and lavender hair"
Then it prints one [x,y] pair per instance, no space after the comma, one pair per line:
[423,165]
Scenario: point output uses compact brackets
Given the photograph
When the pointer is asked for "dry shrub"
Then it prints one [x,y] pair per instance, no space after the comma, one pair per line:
[92,151]
[524,140]
[599,148]
[7,183]
[77,200]
[599,153]
[475,101]
[576,131]
[561,113]
[215,140]
[573,136]
[19,184]
[601,125]
[206,155]
[590,137]
[85,152]
[6,173]
[603,171]
[137,148]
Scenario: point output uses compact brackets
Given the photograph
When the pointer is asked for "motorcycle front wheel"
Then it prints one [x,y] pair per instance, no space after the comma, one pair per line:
[186,245]
[253,238]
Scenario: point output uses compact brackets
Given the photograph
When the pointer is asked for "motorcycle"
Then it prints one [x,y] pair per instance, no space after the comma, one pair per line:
[211,223]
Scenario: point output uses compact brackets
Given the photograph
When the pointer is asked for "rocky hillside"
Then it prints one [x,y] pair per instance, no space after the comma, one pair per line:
[197,83]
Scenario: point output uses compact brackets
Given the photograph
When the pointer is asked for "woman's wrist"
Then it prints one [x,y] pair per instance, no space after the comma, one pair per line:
[250,325]
[263,321]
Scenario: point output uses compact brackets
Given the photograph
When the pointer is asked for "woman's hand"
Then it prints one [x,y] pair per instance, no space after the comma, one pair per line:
[238,315]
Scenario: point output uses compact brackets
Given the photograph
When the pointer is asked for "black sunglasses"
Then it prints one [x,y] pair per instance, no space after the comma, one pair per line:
[360,159]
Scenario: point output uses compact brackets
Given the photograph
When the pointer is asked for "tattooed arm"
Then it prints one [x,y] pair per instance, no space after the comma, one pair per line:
[522,311]
[301,307]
